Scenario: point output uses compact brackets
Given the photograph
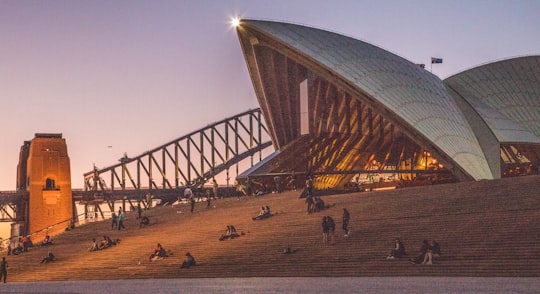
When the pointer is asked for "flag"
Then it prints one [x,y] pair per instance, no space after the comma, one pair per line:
[436,60]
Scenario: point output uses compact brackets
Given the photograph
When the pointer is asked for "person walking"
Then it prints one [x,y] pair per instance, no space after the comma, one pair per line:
[120,219]
[293,181]
[346,218]
[3,269]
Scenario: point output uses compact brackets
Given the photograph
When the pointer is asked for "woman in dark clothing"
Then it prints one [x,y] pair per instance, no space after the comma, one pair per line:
[189,262]
[50,257]
[423,250]
[346,217]
[398,251]
[326,230]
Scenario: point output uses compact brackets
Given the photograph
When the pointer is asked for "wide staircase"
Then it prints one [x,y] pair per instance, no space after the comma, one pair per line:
[486,228]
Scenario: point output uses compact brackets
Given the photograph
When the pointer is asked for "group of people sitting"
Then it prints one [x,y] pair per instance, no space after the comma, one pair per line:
[230,233]
[315,204]
[106,242]
[264,213]
[25,242]
[262,190]
[158,253]
[427,253]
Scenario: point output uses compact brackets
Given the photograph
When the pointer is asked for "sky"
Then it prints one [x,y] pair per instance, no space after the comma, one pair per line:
[137,74]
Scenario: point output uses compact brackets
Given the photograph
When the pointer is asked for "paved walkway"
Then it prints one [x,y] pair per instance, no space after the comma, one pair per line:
[285,285]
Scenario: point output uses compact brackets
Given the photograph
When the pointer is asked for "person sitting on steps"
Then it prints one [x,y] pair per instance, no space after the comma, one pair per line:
[159,253]
[47,241]
[104,243]
[230,233]
[264,213]
[144,221]
[50,257]
[288,250]
[418,259]
[189,262]
[94,246]
[434,250]
[398,251]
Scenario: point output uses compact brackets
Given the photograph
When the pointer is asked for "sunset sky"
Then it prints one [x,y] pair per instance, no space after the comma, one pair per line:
[137,74]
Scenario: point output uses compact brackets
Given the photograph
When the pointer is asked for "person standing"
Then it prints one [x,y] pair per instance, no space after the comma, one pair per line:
[120,219]
[249,186]
[114,223]
[293,181]
[277,182]
[215,187]
[139,211]
[148,200]
[3,269]
[188,192]
[346,218]
[331,229]
[24,241]
[192,202]
[309,186]
[326,230]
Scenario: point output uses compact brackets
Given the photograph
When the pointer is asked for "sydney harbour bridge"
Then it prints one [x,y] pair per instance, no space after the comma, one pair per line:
[164,171]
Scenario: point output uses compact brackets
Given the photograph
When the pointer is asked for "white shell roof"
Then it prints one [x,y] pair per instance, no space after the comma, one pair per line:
[411,93]
[506,94]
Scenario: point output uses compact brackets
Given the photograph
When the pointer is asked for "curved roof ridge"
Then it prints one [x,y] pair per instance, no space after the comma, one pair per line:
[503,59]
[320,28]
[490,88]
[389,79]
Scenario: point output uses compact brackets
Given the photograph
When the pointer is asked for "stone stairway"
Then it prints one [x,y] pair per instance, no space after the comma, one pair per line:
[486,228]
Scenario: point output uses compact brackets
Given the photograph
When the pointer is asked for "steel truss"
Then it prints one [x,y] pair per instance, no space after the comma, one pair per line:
[191,159]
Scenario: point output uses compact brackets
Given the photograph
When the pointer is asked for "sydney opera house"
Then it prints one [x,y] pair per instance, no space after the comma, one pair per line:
[344,109]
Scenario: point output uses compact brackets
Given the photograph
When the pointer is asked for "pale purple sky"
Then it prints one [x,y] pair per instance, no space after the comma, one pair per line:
[137,74]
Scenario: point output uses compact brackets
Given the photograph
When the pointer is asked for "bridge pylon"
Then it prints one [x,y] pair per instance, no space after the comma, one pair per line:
[44,173]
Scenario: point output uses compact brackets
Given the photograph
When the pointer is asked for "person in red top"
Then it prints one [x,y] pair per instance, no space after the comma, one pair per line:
[24,241]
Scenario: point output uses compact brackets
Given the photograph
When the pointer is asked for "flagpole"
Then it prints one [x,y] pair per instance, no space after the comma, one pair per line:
[435,60]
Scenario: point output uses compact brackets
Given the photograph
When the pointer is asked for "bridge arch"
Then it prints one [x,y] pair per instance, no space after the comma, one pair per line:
[192,159]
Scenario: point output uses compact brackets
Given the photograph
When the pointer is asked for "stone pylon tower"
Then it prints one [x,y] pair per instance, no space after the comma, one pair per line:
[44,171]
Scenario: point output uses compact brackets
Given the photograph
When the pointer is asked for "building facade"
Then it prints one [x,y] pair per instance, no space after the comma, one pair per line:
[343,109]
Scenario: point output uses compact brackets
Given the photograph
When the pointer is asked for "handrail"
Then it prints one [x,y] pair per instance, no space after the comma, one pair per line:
[44,229]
